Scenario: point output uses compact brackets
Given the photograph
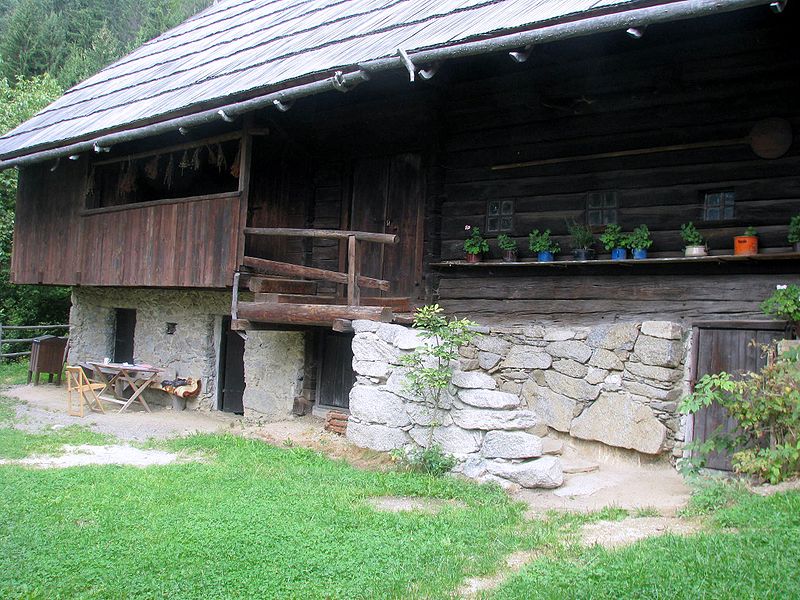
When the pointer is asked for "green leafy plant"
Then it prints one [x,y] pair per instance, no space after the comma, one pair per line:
[431,460]
[475,243]
[613,238]
[505,242]
[750,231]
[430,374]
[542,242]
[794,230]
[766,406]
[784,303]
[690,235]
[582,236]
[639,239]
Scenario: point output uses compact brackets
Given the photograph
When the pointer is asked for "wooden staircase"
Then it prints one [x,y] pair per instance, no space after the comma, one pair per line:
[287,294]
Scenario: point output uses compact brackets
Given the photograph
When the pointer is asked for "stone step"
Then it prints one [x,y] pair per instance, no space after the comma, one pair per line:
[571,465]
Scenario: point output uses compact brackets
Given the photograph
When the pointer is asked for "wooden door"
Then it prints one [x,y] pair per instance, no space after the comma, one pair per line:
[124,333]
[388,197]
[336,375]
[734,348]
[231,376]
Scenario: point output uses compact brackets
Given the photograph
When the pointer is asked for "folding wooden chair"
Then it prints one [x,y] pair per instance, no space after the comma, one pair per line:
[78,383]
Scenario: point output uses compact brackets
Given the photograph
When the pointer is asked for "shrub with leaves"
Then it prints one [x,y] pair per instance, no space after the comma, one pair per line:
[784,303]
[430,368]
[766,406]
[475,243]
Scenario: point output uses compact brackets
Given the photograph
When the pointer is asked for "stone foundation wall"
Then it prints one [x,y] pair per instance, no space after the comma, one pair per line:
[273,359]
[616,384]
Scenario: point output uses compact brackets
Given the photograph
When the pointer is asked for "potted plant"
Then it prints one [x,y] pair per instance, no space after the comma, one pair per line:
[695,244]
[544,247]
[639,241]
[615,241]
[747,243]
[475,245]
[582,241]
[508,247]
[794,233]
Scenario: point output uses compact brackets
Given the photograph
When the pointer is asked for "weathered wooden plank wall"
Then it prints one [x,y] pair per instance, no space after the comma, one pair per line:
[175,244]
[709,80]
[706,81]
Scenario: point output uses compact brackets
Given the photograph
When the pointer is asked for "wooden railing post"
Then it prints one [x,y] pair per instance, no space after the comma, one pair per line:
[353,291]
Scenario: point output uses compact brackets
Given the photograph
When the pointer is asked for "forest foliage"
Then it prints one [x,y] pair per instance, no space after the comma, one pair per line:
[46,47]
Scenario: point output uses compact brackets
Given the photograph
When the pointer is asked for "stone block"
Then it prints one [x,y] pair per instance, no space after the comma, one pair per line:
[613,382]
[365,326]
[473,380]
[535,332]
[555,410]
[483,398]
[658,351]
[453,440]
[388,332]
[552,446]
[367,346]
[595,375]
[526,357]
[542,472]
[486,420]
[578,389]
[650,392]
[620,336]
[570,367]
[605,359]
[662,329]
[468,352]
[427,416]
[488,360]
[376,437]
[558,335]
[469,364]
[654,373]
[616,420]
[493,344]
[372,405]
[409,339]
[570,349]
[379,370]
[511,445]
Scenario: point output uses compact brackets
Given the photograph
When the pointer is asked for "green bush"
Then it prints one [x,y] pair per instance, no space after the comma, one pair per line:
[766,406]
[430,461]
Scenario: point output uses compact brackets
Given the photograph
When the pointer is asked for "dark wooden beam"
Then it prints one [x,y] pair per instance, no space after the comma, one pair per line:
[310,314]
[298,299]
[274,285]
[245,325]
[290,270]
[333,234]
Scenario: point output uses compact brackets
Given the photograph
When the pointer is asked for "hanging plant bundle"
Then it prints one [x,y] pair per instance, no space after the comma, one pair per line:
[222,164]
[235,166]
[184,164]
[151,168]
[196,159]
[127,179]
[169,172]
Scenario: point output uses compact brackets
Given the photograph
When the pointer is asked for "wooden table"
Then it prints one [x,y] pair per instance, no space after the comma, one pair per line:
[116,377]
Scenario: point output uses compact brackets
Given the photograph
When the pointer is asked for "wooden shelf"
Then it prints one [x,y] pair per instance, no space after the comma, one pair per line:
[722,258]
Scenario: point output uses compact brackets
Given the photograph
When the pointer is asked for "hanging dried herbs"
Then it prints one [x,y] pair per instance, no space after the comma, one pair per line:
[169,172]
[127,178]
[222,163]
[235,166]
[184,164]
[196,159]
[151,168]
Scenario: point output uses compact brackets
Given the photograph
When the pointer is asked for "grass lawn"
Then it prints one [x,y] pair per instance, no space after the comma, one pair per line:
[14,373]
[253,520]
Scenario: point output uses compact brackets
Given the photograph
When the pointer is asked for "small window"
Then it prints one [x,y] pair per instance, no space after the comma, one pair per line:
[601,208]
[124,329]
[499,216]
[718,205]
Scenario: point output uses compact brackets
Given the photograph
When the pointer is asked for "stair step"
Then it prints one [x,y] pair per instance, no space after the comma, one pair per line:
[576,465]
[552,446]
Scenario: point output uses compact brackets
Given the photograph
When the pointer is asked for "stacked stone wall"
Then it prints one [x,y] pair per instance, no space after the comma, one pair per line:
[616,384]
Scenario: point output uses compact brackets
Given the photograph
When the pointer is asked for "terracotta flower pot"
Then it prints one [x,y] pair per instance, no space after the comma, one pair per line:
[473,258]
[745,245]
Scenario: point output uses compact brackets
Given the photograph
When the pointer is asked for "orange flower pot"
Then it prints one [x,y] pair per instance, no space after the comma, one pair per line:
[745,245]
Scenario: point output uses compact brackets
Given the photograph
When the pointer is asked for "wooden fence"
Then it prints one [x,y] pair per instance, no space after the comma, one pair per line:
[25,341]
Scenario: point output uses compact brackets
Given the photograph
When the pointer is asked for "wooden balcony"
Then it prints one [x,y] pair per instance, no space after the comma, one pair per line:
[287,293]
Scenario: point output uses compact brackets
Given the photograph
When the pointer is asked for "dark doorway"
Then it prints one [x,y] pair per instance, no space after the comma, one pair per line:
[336,376]
[124,330]
[734,348]
[231,370]
[388,198]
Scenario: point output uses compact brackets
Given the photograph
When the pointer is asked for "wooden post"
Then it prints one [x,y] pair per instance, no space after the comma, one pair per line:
[1,345]
[245,159]
[353,291]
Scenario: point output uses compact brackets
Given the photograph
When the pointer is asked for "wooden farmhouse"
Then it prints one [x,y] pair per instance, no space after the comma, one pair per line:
[261,196]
